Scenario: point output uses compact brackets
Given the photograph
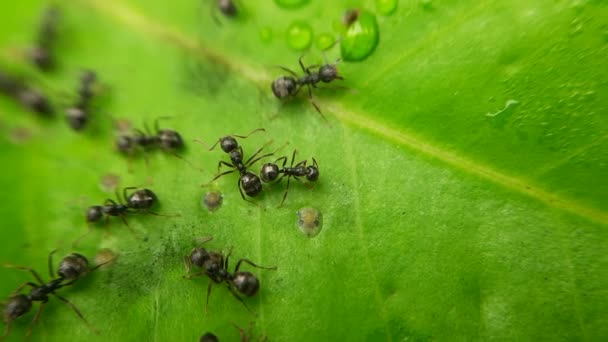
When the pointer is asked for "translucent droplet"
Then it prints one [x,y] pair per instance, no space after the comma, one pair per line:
[213,200]
[266,34]
[310,221]
[325,41]
[299,35]
[291,3]
[361,38]
[386,7]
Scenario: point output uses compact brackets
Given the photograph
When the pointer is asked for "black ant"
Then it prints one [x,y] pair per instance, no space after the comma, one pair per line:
[26,96]
[41,54]
[71,268]
[209,337]
[167,140]
[141,200]
[228,143]
[215,266]
[271,171]
[288,86]
[249,183]
[77,115]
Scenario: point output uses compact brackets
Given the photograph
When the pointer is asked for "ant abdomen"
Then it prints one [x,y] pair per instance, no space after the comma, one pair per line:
[251,184]
[284,86]
[142,199]
[246,283]
[16,307]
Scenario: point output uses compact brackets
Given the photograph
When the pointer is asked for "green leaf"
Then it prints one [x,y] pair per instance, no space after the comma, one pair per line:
[463,177]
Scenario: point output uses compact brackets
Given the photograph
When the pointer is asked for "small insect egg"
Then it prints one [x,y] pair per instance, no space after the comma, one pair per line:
[105,256]
[310,221]
[212,200]
[109,182]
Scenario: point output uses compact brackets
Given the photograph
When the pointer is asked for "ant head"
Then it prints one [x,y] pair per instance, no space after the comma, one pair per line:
[35,102]
[77,118]
[41,58]
[170,140]
[228,144]
[142,199]
[94,213]
[251,184]
[124,143]
[284,86]
[208,337]
[227,7]
[246,283]
[73,266]
[16,307]
[199,256]
[88,76]
[269,172]
[312,173]
[328,73]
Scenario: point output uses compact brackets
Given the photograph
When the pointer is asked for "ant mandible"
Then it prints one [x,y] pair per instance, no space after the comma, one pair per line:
[271,171]
[215,266]
[71,268]
[289,86]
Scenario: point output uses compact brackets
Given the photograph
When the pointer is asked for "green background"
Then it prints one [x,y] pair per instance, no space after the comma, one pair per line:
[440,222]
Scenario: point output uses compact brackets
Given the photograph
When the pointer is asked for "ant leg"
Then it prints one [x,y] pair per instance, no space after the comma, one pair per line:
[293,157]
[51,273]
[302,65]
[34,320]
[247,261]
[77,241]
[124,220]
[156,125]
[314,163]
[7,330]
[312,101]
[250,133]
[124,193]
[194,275]
[163,215]
[212,147]
[293,73]
[239,298]
[70,304]
[18,289]
[187,263]
[221,162]
[29,269]
[184,160]
[256,152]
[218,176]
[285,194]
[227,258]
[284,159]
[208,295]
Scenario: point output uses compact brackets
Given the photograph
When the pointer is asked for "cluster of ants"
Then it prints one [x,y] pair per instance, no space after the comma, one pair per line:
[213,264]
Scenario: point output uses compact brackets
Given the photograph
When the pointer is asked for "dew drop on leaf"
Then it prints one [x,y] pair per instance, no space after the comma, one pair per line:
[310,221]
[299,35]
[325,41]
[386,7]
[291,3]
[213,200]
[266,34]
[361,38]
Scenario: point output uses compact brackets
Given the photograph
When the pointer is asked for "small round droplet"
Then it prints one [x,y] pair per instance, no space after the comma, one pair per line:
[299,35]
[361,38]
[386,7]
[105,256]
[213,200]
[266,34]
[325,41]
[310,221]
[291,3]
[109,182]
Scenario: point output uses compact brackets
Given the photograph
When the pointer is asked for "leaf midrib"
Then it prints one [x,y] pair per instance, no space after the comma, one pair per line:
[129,17]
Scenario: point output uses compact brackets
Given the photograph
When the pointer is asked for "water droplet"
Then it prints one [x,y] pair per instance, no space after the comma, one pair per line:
[310,221]
[299,35]
[325,41]
[291,3]
[266,34]
[361,38]
[212,200]
[109,182]
[386,7]
[106,257]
